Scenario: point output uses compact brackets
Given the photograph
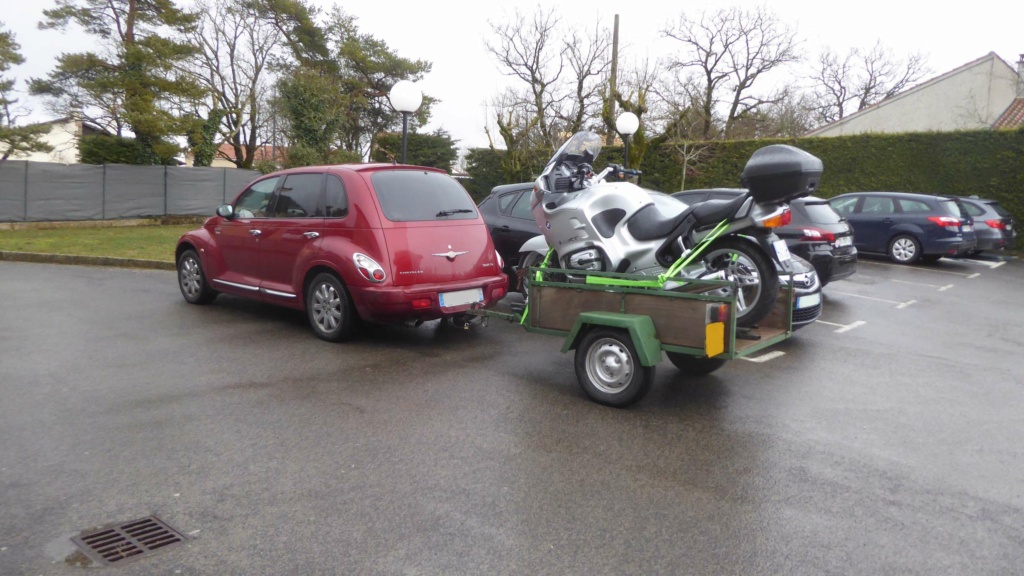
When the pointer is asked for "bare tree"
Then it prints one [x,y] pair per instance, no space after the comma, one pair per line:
[516,121]
[724,54]
[233,66]
[844,85]
[563,68]
[588,58]
[527,49]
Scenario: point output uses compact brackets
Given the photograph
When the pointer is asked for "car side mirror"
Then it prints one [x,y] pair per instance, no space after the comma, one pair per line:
[226,211]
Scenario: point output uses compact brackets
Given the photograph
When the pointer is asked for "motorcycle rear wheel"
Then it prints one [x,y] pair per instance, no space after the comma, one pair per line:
[745,264]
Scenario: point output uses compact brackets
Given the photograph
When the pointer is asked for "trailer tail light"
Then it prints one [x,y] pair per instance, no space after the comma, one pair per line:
[947,222]
[813,234]
[779,220]
[369,268]
[997,224]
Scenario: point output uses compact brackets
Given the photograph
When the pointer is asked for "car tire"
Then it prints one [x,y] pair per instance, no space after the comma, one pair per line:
[904,249]
[608,368]
[331,314]
[693,365]
[192,280]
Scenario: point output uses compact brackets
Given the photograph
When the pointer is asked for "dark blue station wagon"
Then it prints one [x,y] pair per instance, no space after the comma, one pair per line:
[907,227]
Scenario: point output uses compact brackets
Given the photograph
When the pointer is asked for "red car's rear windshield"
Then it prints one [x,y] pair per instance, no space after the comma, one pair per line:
[413,196]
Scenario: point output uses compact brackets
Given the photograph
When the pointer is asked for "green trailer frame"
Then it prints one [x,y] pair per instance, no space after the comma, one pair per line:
[631,326]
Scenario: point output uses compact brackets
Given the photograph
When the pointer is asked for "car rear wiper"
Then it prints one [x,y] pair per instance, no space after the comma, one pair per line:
[453,211]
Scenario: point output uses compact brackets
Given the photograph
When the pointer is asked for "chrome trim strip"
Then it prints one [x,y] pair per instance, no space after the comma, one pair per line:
[236,285]
[276,293]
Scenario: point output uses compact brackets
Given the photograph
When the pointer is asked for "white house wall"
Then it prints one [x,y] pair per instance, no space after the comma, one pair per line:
[970,98]
[63,136]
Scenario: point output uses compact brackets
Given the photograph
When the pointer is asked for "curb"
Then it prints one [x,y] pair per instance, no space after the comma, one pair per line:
[85,260]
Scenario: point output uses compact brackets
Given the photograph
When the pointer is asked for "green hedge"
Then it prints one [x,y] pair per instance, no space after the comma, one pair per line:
[989,164]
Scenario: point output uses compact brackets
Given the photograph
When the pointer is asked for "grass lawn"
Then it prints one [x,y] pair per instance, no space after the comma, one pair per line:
[143,242]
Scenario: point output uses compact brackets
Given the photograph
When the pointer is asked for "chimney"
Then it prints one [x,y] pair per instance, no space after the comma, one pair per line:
[1020,77]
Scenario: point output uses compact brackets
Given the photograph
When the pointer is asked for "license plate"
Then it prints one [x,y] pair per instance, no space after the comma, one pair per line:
[781,250]
[968,227]
[808,301]
[844,241]
[462,297]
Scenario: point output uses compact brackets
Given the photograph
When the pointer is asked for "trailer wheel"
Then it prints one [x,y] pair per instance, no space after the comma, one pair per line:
[609,370]
[694,366]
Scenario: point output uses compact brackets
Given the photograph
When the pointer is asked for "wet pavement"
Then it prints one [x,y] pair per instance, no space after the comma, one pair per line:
[886,439]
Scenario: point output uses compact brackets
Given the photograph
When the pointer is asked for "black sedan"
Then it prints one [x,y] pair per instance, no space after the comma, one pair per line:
[817,233]
[506,210]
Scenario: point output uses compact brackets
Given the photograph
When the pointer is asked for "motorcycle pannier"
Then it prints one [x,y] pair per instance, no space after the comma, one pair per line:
[780,173]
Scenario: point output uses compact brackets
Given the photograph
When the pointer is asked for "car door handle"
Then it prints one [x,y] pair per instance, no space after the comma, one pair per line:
[503,229]
[311,234]
[887,221]
[255,232]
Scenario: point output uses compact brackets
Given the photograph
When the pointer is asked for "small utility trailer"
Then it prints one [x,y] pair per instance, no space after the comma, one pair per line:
[619,331]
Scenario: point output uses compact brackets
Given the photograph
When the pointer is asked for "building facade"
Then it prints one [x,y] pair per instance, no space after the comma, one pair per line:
[975,96]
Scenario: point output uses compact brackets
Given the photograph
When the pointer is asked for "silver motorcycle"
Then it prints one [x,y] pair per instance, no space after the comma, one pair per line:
[604,222]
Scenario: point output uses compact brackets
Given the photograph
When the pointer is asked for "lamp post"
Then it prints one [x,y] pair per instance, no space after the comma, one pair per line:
[627,124]
[405,98]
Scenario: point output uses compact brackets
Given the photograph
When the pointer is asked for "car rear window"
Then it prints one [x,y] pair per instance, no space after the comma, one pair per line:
[821,213]
[413,196]
[999,209]
[952,208]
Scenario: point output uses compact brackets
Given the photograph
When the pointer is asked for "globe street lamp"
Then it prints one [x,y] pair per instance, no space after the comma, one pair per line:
[627,124]
[405,98]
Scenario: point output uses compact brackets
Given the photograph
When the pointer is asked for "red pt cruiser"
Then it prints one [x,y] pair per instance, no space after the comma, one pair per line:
[377,242]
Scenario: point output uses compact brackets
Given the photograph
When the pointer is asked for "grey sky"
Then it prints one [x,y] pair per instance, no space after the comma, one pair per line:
[451,35]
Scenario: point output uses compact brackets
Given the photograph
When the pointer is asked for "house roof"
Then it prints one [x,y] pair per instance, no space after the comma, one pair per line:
[1012,117]
[910,91]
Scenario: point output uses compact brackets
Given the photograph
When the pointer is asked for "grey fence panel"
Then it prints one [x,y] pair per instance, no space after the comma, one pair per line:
[194,191]
[134,191]
[237,180]
[59,192]
[12,190]
[45,191]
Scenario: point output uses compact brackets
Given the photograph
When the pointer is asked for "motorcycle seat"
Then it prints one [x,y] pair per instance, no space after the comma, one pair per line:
[649,223]
[714,211]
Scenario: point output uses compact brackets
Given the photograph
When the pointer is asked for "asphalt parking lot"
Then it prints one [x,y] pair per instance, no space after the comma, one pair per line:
[884,439]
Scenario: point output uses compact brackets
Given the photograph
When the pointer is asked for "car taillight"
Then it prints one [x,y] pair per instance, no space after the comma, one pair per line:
[811,234]
[369,268]
[779,220]
[997,224]
[501,262]
[947,222]
[421,303]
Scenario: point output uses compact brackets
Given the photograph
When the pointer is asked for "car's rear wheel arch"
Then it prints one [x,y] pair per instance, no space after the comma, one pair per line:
[316,270]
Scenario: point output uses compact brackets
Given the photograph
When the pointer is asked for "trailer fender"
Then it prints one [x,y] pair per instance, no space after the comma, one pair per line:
[640,328]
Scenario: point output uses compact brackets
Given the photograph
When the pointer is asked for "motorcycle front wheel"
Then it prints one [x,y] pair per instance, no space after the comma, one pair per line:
[752,273]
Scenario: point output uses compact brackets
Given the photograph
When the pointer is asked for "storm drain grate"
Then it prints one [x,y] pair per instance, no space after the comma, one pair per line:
[128,540]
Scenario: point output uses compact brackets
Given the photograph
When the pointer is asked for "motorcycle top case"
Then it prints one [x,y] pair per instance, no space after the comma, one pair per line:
[780,173]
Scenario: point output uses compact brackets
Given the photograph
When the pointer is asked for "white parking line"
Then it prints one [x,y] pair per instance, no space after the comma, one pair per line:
[843,327]
[765,357]
[992,265]
[939,288]
[918,269]
[898,304]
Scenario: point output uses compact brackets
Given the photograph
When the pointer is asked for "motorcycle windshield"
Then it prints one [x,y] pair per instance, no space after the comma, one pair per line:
[583,147]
